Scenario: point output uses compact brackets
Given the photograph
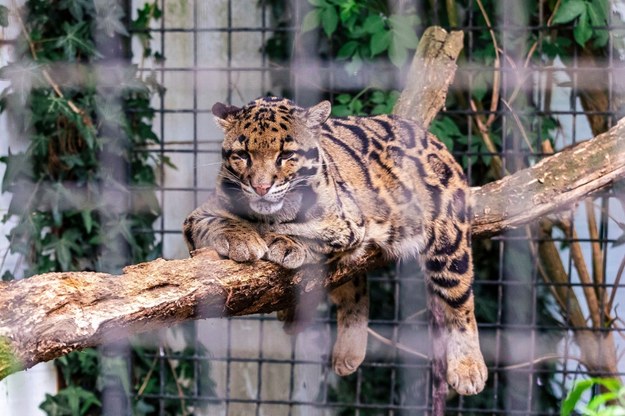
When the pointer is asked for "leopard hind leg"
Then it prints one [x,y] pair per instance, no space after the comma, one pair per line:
[448,264]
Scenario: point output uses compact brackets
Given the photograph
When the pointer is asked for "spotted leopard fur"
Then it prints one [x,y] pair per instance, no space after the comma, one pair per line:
[298,187]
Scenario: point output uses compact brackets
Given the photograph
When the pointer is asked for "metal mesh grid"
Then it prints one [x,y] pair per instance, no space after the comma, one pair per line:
[254,369]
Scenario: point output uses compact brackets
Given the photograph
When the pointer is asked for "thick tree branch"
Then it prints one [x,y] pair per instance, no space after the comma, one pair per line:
[49,315]
[555,183]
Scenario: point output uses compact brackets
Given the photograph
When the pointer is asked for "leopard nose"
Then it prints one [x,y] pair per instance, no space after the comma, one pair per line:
[262,188]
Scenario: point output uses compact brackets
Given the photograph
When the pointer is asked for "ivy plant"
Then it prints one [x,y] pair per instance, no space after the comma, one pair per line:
[590,20]
[83,190]
[368,29]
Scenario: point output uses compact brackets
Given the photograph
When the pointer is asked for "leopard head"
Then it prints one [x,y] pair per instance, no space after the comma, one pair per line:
[270,147]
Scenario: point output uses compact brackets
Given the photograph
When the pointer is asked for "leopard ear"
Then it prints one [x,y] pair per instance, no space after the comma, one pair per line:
[224,114]
[318,114]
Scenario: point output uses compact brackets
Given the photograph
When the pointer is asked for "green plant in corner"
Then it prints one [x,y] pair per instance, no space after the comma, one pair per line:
[610,402]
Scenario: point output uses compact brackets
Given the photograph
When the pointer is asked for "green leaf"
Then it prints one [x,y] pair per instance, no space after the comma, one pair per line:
[601,399]
[612,384]
[311,20]
[76,40]
[109,17]
[597,13]
[76,7]
[347,50]
[24,75]
[374,23]
[380,42]
[569,10]
[378,97]
[568,405]
[582,31]
[598,19]
[4,16]
[404,31]
[329,20]
[446,130]
[72,400]
[343,98]
[87,220]
[341,110]
[349,12]
[18,166]
[397,53]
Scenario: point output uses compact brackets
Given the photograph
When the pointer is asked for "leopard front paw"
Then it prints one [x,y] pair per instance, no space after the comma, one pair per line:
[240,247]
[466,371]
[349,350]
[285,251]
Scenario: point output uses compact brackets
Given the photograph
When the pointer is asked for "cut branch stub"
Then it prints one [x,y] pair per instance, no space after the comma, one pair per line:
[431,72]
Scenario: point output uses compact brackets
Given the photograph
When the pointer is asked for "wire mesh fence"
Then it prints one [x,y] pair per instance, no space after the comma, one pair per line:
[547,294]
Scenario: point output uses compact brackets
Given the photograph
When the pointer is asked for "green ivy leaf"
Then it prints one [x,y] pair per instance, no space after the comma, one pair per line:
[380,42]
[76,7]
[446,130]
[74,40]
[583,30]
[341,110]
[109,17]
[18,166]
[329,20]
[349,12]
[374,23]
[597,14]
[403,38]
[311,20]
[343,98]
[347,50]
[404,32]
[397,53]
[24,75]
[72,400]
[569,10]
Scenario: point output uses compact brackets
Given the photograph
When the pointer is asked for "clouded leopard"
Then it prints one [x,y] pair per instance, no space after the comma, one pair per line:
[299,187]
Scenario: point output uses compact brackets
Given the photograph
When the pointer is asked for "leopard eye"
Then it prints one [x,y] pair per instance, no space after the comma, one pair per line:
[285,155]
[242,155]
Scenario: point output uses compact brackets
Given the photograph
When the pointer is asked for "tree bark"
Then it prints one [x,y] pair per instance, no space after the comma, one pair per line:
[553,184]
[49,315]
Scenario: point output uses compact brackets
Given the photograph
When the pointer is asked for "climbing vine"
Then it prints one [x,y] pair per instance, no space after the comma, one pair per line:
[83,189]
